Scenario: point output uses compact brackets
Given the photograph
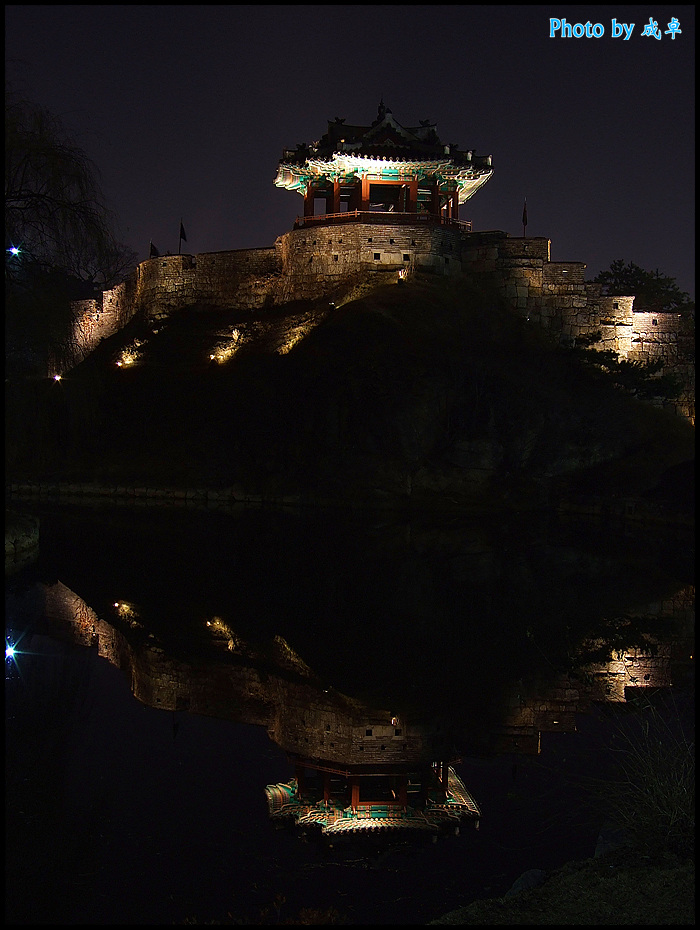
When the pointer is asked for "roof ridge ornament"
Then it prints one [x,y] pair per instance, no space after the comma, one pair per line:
[382,111]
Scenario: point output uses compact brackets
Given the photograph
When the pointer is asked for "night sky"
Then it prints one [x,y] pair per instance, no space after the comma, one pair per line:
[186,110]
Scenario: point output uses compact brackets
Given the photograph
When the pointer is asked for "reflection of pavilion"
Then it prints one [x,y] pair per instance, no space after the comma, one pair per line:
[360,799]
[359,769]
[359,173]
[356,769]
[363,777]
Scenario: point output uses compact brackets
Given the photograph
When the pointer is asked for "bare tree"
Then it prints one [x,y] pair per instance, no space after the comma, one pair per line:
[55,213]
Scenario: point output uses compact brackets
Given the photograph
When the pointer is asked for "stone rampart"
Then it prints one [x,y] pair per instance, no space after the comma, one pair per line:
[94,320]
[241,278]
[556,296]
[315,260]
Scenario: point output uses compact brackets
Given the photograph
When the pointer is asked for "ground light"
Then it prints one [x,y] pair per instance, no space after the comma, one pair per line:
[12,650]
[12,653]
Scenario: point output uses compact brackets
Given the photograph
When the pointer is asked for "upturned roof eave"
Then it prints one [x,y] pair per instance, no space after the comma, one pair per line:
[469,177]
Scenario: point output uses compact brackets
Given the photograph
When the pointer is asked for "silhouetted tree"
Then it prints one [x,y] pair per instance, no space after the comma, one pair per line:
[653,292]
[60,243]
[638,377]
[55,213]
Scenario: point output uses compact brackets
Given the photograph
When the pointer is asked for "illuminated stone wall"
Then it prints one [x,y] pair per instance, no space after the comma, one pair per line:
[312,262]
[93,321]
[339,250]
[555,296]
[243,278]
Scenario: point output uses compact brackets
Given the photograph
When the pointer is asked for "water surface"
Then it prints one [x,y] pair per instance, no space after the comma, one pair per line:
[176,656]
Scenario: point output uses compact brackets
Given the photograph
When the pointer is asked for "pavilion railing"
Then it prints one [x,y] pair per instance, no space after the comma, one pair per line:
[381,216]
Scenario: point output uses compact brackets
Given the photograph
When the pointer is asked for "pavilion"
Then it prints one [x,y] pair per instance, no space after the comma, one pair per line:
[382,169]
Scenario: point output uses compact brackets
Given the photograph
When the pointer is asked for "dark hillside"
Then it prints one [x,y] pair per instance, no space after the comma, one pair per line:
[429,391]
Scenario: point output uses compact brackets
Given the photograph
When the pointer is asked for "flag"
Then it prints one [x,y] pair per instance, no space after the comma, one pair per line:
[182,232]
[525,213]
[154,253]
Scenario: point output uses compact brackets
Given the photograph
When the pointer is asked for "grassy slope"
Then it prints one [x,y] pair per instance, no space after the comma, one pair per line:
[430,383]
[613,890]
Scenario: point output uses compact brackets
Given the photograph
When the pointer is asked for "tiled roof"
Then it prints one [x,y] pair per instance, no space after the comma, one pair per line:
[385,138]
[375,817]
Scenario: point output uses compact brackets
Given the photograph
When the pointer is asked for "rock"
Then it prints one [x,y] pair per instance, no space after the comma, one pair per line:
[530,879]
[610,837]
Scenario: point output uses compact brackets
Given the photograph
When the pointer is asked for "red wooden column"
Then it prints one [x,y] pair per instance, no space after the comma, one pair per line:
[403,791]
[413,197]
[425,781]
[354,793]
[336,198]
[455,205]
[447,206]
[309,200]
[326,787]
[364,194]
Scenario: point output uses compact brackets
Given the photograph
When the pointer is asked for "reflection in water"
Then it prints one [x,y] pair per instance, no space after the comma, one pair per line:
[376,771]
[359,768]
[340,636]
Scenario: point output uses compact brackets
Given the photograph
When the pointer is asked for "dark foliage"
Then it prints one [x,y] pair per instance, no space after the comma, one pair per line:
[60,243]
[653,291]
[55,215]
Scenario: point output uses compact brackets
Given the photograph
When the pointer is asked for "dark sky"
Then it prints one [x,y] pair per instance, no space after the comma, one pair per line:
[186,111]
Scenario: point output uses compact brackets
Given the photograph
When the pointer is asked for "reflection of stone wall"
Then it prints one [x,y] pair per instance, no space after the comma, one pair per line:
[327,725]
[300,717]
[226,690]
[307,721]
[21,539]
[552,706]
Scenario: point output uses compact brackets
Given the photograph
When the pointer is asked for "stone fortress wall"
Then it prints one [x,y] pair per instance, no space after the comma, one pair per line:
[315,260]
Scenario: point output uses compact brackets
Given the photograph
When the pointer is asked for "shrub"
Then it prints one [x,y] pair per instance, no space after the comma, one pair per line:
[651,794]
